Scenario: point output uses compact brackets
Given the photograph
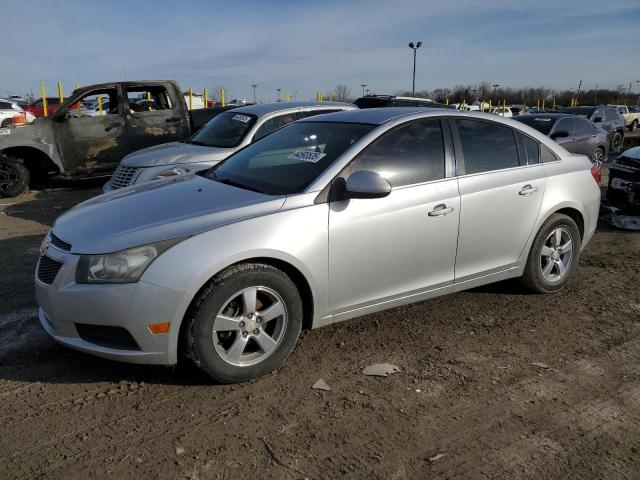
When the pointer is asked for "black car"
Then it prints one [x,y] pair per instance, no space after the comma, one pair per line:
[606,117]
[623,191]
[575,134]
[381,101]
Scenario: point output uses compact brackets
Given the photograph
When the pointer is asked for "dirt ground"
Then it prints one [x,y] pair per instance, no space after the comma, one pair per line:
[494,383]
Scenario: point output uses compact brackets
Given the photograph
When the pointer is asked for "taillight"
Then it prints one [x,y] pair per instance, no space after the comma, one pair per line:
[596,171]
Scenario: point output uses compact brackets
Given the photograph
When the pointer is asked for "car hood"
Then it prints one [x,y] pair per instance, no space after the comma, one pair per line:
[154,211]
[632,153]
[175,153]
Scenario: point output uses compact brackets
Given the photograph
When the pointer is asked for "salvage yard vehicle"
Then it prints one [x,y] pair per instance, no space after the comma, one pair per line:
[71,146]
[329,218]
[631,117]
[37,108]
[382,101]
[607,118]
[9,110]
[575,134]
[227,133]
[623,191]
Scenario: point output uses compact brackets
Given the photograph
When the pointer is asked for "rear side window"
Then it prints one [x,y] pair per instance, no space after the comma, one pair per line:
[274,123]
[529,149]
[149,98]
[5,106]
[610,114]
[487,146]
[547,155]
[564,125]
[412,153]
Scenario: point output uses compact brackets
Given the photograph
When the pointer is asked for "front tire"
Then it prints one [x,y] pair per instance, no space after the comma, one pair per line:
[245,323]
[616,142]
[554,255]
[14,177]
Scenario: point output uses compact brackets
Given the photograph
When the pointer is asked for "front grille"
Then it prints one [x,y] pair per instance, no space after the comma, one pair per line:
[625,162]
[110,337]
[48,268]
[59,243]
[124,176]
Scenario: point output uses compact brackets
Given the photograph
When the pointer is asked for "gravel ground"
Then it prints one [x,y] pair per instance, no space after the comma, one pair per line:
[494,383]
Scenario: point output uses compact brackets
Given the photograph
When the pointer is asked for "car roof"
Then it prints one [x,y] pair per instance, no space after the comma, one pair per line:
[265,108]
[550,116]
[378,116]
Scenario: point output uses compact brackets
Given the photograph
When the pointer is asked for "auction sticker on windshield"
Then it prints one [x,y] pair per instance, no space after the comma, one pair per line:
[5,131]
[241,118]
[306,156]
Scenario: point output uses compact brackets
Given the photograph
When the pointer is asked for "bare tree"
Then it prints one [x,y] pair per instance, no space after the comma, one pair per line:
[341,93]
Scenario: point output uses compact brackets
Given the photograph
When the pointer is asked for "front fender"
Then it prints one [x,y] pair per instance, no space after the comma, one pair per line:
[38,135]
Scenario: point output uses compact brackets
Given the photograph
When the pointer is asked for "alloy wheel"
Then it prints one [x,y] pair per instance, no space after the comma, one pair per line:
[9,176]
[556,255]
[250,326]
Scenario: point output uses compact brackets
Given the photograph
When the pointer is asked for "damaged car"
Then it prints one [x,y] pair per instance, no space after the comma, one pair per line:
[623,191]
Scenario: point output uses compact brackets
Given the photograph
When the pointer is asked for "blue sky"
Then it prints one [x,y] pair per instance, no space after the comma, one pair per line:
[309,46]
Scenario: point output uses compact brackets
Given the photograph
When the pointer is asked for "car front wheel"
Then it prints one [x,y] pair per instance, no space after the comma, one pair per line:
[554,255]
[245,323]
[14,177]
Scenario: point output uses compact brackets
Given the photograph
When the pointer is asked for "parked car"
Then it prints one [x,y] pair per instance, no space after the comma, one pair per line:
[623,191]
[71,146]
[329,218]
[9,110]
[225,134]
[37,108]
[608,118]
[575,134]
[631,117]
[381,101]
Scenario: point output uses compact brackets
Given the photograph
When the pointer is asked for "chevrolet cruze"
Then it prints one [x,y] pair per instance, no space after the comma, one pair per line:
[329,218]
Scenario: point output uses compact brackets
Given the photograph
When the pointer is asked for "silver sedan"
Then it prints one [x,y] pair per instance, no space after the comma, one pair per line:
[329,218]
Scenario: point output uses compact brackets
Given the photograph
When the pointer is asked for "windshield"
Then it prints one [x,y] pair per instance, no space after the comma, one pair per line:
[225,130]
[542,124]
[288,160]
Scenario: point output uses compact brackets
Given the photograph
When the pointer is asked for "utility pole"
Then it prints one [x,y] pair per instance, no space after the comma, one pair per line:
[363,85]
[279,90]
[254,86]
[415,49]
[495,88]
[595,100]
[578,94]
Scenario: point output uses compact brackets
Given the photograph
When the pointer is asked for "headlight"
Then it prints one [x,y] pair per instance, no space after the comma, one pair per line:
[173,172]
[126,266]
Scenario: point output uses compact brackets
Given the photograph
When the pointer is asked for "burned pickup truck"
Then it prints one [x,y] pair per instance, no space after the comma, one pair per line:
[92,130]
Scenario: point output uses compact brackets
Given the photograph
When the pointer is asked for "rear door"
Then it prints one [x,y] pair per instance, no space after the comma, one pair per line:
[154,115]
[387,248]
[501,191]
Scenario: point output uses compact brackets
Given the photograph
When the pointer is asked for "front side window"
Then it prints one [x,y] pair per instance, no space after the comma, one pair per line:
[412,153]
[564,125]
[487,146]
[580,126]
[547,155]
[287,161]
[148,99]
[529,149]
[226,130]
[95,103]
[274,123]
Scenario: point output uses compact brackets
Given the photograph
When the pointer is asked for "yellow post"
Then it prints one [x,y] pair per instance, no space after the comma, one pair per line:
[148,95]
[190,99]
[538,103]
[205,98]
[489,105]
[44,100]
[222,97]
[100,104]
[60,94]
[543,103]
[554,103]
[447,101]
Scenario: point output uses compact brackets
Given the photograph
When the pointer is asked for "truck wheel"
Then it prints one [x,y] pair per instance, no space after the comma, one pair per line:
[245,323]
[634,125]
[616,142]
[14,177]
[7,122]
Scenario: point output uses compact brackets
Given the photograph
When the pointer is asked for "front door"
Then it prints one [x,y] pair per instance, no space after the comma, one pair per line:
[500,196]
[569,141]
[90,131]
[403,244]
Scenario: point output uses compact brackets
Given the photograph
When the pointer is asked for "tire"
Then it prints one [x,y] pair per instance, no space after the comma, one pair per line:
[616,142]
[597,156]
[14,177]
[7,122]
[213,341]
[534,278]
[634,125]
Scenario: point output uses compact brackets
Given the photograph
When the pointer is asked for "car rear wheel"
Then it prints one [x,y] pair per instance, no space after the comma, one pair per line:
[245,324]
[616,142]
[597,156]
[634,126]
[14,177]
[554,255]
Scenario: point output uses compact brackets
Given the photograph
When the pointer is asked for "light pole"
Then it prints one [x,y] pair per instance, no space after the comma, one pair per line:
[254,85]
[629,92]
[495,88]
[363,85]
[415,48]
[279,90]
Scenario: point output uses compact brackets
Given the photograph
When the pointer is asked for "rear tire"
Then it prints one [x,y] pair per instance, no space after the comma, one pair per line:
[634,126]
[14,177]
[597,156]
[232,334]
[616,142]
[553,256]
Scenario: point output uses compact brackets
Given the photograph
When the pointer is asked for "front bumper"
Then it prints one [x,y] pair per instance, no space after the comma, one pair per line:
[148,174]
[623,190]
[65,304]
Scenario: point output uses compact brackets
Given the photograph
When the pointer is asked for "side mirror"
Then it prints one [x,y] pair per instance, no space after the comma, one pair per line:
[560,134]
[366,184]
[597,120]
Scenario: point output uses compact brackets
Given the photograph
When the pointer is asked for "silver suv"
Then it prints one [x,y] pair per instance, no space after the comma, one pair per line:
[327,219]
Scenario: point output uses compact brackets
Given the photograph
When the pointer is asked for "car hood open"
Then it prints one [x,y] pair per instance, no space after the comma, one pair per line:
[175,153]
[159,210]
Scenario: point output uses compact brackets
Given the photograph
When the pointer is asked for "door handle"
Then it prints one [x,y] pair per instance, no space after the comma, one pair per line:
[527,190]
[440,210]
[173,119]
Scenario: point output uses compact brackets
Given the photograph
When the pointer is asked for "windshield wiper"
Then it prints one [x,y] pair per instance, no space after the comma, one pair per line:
[233,183]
